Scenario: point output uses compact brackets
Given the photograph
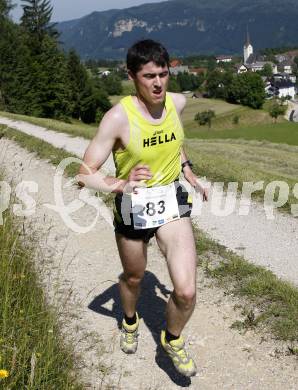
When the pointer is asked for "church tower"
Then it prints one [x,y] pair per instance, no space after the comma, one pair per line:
[247,49]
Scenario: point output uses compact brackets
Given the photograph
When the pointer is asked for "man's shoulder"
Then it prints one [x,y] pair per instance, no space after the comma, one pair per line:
[113,123]
[116,113]
[115,117]
[179,100]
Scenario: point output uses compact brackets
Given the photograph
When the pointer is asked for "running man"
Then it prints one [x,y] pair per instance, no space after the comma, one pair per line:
[145,135]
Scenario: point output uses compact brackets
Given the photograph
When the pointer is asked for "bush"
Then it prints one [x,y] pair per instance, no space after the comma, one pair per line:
[205,117]
[236,119]
[276,109]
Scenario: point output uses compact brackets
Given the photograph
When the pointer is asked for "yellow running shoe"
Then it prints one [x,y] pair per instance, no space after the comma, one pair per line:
[183,363]
[129,336]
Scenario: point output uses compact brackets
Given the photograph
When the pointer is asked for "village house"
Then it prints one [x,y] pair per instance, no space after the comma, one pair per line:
[286,67]
[197,71]
[282,89]
[104,73]
[281,58]
[259,65]
[176,67]
[224,59]
[241,68]
[284,76]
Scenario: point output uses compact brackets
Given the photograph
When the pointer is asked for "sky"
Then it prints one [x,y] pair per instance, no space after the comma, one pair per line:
[73,9]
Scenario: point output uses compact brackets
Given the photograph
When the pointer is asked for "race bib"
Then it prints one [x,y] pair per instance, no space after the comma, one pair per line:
[153,207]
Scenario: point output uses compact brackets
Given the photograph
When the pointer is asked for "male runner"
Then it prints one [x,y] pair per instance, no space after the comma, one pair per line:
[145,134]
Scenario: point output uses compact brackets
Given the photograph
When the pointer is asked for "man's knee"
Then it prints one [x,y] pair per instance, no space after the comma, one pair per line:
[185,297]
[132,280]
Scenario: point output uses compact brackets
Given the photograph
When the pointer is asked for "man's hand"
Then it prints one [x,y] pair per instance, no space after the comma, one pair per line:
[194,182]
[137,177]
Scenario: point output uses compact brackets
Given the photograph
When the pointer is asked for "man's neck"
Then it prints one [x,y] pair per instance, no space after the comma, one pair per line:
[153,110]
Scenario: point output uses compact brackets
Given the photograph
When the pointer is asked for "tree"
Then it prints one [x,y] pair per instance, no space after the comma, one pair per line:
[247,89]
[211,65]
[295,66]
[184,81]
[94,102]
[88,97]
[267,70]
[53,87]
[215,85]
[11,51]
[173,85]
[276,109]
[77,77]
[188,82]
[5,7]
[36,20]
[112,84]
[205,117]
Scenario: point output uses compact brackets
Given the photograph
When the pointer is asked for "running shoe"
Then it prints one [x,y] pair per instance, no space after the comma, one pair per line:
[129,336]
[175,349]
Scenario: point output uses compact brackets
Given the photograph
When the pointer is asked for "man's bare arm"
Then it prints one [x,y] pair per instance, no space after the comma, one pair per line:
[99,150]
[97,153]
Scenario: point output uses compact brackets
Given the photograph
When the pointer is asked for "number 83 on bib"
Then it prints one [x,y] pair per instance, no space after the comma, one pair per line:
[155,206]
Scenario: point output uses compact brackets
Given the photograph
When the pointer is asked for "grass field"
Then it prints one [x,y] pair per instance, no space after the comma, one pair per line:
[280,133]
[225,114]
[241,161]
[193,106]
[32,351]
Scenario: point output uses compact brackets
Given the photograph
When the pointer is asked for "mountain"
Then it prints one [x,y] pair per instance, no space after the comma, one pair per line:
[185,27]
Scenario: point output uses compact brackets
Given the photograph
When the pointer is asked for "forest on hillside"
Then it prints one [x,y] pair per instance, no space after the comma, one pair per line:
[37,77]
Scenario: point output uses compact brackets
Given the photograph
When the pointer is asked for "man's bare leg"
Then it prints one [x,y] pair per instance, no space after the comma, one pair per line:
[133,255]
[176,241]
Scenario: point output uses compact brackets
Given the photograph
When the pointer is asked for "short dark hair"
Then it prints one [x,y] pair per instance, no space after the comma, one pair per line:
[145,51]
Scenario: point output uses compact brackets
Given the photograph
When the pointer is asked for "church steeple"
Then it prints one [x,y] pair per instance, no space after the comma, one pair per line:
[247,43]
[247,49]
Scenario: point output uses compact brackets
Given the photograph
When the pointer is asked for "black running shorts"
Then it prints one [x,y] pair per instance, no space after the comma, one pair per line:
[123,219]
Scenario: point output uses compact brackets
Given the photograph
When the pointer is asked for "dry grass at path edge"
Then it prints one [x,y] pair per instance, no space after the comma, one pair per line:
[32,351]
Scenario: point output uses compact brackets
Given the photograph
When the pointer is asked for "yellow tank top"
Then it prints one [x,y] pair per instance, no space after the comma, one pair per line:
[156,145]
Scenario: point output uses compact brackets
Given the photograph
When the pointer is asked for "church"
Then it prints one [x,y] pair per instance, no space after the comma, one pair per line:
[251,61]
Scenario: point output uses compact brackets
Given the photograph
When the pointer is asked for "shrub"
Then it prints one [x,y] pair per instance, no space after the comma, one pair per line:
[205,117]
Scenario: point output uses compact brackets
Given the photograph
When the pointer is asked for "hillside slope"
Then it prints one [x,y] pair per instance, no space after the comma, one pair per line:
[185,27]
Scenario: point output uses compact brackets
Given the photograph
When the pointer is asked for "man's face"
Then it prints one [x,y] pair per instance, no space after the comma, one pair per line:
[151,82]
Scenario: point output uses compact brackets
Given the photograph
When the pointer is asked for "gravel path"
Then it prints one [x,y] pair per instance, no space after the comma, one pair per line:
[270,243]
[80,274]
